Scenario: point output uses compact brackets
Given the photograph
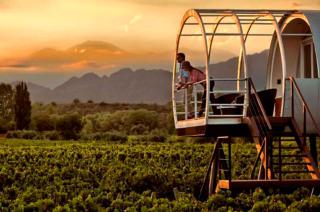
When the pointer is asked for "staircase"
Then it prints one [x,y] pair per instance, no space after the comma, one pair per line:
[284,155]
[289,155]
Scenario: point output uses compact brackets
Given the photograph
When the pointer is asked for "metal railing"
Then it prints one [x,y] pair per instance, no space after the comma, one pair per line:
[188,102]
[259,116]
[191,101]
[297,100]
[222,107]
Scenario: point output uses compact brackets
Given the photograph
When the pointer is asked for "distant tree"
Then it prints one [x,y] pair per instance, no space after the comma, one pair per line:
[76,101]
[6,108]
[42,122]
[103,104]
[6,101]
[22,107]
[69,126]
[53,103]
[90,101]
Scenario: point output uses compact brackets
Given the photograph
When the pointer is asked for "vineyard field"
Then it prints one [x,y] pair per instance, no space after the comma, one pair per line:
[131,176]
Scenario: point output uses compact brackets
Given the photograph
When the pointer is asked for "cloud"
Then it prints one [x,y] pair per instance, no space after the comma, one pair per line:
[169,2]
[4,4]
[296,4]
[79,65]
[21,69]
[135,19]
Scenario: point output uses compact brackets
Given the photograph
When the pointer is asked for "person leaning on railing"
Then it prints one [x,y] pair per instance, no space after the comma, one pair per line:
[183,78]
[197,76]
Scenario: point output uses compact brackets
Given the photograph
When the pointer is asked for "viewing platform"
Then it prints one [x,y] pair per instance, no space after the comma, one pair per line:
[282,118]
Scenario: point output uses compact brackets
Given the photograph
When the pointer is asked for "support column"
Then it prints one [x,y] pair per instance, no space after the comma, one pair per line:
[313,148]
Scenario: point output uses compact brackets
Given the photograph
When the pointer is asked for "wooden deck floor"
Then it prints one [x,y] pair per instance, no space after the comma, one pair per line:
[250,184]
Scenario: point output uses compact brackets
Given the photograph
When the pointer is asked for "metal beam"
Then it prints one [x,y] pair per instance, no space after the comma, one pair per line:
[254,11]
[229,23]
[251,34]
[252,19]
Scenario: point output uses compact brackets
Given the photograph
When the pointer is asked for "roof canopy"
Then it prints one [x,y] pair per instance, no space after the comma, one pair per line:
[245,20]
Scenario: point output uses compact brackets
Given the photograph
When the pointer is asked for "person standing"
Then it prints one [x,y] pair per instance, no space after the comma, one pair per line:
[183,75]
[183,78]
[195,76]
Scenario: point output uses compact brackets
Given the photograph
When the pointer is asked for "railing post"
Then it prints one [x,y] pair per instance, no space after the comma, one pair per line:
[266,146]
[186,103]
[195,99]
[280,159]
[212,178]
[246,97]
[292,99]
[229,159]
[304,125]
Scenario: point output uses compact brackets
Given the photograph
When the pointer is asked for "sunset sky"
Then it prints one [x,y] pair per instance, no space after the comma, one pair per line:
[137,26]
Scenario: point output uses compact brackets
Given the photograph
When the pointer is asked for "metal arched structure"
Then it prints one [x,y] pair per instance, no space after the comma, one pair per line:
[277,124]
[278,58]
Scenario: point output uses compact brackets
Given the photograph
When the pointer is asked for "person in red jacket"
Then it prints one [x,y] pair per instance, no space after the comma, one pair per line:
[196,76]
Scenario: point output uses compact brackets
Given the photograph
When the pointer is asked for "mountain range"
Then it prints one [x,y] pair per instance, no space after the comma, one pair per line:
[51,66]
[139,86]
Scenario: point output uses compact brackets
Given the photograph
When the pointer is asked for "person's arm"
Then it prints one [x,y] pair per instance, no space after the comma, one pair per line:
[193,78]
[181,85]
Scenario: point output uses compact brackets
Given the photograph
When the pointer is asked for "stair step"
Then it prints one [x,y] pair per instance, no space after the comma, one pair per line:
[282,134]
[225,170]
[286,147]
[284,139]
[293,172]
[291,164]
[290,156]
[280,121]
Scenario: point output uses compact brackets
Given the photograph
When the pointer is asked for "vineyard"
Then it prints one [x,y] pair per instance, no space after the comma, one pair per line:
[132,176]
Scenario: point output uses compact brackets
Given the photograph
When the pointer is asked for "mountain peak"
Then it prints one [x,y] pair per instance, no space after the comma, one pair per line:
[94,45]
[90,76]
[47,52]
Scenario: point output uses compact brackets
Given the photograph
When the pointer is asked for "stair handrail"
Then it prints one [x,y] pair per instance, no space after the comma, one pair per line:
[262,122]
[264,115]
[306,108]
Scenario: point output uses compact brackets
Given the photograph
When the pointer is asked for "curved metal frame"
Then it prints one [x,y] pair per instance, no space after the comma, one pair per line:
[242,43]
[197,17]
[282,26]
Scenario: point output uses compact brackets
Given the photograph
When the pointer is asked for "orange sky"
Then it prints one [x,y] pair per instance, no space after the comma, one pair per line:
[135,25]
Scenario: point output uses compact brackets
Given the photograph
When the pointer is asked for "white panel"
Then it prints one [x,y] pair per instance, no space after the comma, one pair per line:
[310,89]
[314,21]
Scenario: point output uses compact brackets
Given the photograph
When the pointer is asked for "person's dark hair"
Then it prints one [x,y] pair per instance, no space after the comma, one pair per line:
[186,64]
[180,54]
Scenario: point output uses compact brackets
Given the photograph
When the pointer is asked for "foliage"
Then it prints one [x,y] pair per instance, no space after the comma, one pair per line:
[6,107]
[99,118]
[96,108]
[149,138]
[43,122]
[76,101]
[95,176]
[34,135]
[23,134]
[69,126]
[109,136]
[51,135]
[6,101]
[22,106]
[6,125]
[134,122]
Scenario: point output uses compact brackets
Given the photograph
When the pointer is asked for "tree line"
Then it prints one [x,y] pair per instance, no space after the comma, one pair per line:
[15,107]
[79,120]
